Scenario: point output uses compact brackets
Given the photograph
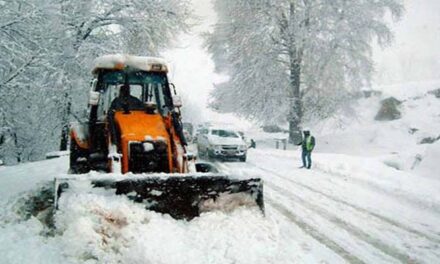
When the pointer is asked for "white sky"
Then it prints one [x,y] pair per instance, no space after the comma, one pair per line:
[192,70]
[415,54]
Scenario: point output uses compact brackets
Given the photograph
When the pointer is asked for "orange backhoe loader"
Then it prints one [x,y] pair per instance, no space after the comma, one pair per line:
[134,140]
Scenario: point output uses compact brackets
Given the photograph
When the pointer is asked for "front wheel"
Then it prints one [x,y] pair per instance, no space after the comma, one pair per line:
[243,159]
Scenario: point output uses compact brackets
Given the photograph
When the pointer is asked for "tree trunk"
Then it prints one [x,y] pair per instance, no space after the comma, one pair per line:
[17,151]
[295,114]
[295,57]
[65,124]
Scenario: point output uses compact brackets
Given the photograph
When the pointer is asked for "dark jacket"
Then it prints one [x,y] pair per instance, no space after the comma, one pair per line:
[132,102]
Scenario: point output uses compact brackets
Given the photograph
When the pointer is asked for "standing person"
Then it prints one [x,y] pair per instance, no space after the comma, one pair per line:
[253,144]
[307,145]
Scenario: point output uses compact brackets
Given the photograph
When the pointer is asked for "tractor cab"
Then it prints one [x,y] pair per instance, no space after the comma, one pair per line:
[131,89]
[136,83]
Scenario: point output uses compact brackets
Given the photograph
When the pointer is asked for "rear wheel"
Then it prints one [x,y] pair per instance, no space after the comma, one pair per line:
[78,159]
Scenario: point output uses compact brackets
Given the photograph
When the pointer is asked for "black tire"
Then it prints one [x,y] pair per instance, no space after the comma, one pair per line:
[78,159]
[243,159]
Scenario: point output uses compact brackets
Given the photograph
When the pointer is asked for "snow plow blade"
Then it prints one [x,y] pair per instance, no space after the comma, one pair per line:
[182,197]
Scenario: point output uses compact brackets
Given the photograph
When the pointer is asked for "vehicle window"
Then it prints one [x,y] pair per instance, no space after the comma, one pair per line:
[148,87]
[111,92]
[224,133]
[102,105]
[136,91]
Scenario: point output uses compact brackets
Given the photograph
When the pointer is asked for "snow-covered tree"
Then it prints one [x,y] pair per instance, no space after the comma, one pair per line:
[46,53]
[22,70]
[287,57]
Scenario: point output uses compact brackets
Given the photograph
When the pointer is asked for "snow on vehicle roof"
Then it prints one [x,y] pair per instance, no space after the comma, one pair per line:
[120,61]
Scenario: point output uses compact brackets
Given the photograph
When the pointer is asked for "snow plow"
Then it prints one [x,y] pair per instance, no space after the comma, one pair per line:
[134,139]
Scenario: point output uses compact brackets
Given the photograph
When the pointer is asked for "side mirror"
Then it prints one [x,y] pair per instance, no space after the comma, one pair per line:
[94,98]
[177,101]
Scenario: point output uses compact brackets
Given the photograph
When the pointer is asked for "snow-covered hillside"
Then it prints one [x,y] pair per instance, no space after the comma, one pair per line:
[401,143]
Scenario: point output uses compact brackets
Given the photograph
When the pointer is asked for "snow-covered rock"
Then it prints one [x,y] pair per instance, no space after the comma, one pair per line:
[389,110]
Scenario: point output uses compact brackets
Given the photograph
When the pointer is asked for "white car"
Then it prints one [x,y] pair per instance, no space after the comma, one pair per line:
[220,143]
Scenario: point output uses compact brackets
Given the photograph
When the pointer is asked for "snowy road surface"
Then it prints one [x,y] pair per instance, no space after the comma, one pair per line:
[356,208]
[346,209]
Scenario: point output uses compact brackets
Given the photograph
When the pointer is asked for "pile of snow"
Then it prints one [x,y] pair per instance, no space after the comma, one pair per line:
[101,227]
[114,230]
[429,163]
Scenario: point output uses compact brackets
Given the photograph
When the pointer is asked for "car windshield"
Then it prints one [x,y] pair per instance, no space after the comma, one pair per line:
[224,133]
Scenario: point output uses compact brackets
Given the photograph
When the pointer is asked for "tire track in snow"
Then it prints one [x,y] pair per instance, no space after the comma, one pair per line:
[412,200]
[353,230]
[376,187]
[314,233]
[377,243]
[358,208]
[307,228]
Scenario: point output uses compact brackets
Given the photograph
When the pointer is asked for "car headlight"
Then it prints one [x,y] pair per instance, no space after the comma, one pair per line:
[216,147]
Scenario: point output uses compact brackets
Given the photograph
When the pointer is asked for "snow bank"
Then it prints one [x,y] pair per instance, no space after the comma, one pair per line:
[101,227]
[395,143]
[111,229]
[375,173]
[23,243]
[429,165]
[403,91]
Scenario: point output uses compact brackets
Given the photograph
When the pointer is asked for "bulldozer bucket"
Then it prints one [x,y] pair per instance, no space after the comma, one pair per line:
[182,197]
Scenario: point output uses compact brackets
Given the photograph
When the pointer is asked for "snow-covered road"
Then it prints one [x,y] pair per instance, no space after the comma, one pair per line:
[357,208]
[347,209]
